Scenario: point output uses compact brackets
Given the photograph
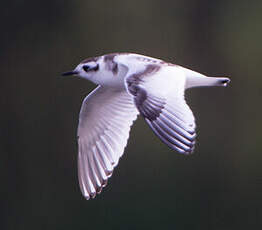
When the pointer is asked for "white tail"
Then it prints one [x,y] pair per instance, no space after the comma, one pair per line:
[195,79]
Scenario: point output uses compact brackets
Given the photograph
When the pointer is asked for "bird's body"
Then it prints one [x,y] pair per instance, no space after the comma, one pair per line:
[131,84]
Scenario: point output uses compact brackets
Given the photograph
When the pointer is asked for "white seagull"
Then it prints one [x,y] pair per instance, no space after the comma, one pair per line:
[131,84]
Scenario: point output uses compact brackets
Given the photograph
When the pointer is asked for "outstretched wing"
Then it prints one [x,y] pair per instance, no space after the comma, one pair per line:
[158,93]
[104,124]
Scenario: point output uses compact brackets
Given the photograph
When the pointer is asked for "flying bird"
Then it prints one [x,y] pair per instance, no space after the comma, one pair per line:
[128,85]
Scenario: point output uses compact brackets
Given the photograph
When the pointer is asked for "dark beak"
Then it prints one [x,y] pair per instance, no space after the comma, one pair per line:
[69,73]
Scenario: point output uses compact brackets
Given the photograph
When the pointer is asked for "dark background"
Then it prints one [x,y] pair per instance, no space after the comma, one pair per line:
[218,187]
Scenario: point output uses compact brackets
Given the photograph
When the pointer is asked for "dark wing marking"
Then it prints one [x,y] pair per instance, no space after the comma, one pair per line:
[169,116]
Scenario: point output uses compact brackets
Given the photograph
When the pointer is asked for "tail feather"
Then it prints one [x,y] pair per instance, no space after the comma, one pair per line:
[195,79]
[223,81]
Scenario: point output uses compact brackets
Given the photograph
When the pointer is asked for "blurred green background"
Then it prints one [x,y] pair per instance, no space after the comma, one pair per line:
[218,187]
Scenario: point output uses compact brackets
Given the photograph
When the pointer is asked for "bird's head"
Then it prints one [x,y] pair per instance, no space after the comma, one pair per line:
[102,70]
[88,69]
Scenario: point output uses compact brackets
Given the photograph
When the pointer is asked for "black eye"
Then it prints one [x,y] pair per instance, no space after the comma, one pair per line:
[86,68]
